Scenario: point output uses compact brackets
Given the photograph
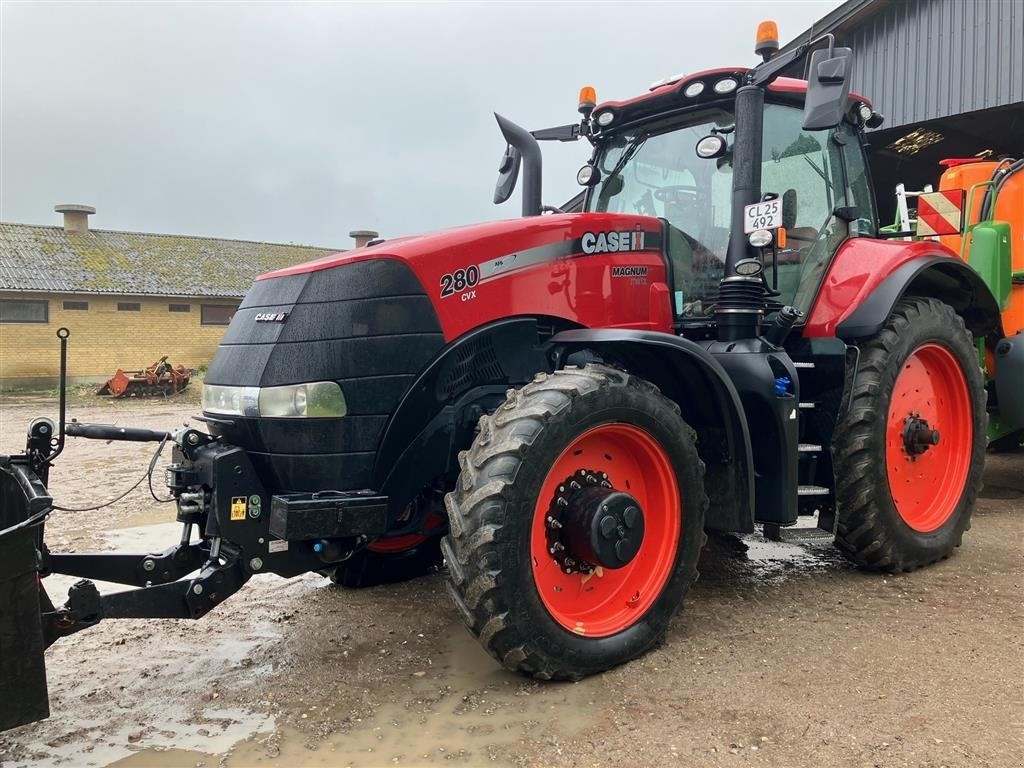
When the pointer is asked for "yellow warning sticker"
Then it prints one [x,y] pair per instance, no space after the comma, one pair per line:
[238,504]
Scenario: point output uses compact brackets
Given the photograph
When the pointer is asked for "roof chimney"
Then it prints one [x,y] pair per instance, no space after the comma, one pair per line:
[363,236]
[76,217]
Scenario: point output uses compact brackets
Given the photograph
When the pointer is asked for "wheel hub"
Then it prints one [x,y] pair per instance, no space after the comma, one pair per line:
[918,435]
[592,524]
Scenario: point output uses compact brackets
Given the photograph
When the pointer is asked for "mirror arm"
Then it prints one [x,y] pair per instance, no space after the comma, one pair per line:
[560,133]
[763,74]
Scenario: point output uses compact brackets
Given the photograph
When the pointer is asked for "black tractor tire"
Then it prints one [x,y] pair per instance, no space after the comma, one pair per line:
[492,510]
[871,531]
[370,569]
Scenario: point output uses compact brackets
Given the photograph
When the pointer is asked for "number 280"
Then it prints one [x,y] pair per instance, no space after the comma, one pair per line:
[459,280]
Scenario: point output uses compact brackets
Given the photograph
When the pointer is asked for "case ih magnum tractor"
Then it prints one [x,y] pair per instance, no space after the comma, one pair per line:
[559,406]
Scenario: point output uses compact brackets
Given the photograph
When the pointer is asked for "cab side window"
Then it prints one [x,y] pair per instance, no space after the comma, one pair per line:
[859,192]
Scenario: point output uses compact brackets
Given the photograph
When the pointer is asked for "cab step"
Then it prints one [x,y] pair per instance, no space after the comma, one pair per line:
[809,448]
[812,490]
[795,535]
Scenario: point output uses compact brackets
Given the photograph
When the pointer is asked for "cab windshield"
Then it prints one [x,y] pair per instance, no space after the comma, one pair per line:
[654,171]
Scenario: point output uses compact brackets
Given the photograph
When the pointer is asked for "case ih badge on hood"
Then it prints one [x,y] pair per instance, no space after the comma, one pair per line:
[561,441]
[271,317]
[612,242]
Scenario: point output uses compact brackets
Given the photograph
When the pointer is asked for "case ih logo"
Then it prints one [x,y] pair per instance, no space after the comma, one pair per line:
[271,317]
[612,242]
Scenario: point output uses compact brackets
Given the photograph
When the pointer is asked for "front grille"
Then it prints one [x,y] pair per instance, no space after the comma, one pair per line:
[369,326]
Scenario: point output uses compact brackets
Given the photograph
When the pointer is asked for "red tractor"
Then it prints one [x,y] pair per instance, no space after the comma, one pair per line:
[716,337]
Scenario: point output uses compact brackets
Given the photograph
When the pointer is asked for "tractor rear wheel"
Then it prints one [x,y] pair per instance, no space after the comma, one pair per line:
[909,452]
[576,523]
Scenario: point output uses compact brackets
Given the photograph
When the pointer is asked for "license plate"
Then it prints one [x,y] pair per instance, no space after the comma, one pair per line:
[766,215]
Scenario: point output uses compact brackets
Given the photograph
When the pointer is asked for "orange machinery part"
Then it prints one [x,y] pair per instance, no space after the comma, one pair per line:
[1010,208]
[118,383]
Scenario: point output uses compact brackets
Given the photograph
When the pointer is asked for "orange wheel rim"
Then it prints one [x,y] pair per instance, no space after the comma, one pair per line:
[608,601]
[926,478]
[397,544]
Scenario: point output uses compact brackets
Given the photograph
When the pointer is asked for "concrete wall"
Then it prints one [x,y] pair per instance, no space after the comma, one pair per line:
[104,339]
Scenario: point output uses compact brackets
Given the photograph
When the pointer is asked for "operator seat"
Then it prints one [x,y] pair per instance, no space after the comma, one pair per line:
[798,239]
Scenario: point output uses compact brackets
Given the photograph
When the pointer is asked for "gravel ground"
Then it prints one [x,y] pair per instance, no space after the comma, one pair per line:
[784,655]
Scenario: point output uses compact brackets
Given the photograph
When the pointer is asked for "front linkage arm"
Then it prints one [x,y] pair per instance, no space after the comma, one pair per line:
[220,577]
[133,569]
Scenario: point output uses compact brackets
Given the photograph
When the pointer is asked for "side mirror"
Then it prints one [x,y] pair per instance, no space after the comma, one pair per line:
[828,88]
[508,174]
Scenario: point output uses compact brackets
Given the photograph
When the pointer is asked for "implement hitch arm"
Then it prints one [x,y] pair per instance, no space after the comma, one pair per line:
[137,570]
[220,577]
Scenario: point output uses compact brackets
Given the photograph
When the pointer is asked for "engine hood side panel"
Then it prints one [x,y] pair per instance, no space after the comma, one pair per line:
[587,268]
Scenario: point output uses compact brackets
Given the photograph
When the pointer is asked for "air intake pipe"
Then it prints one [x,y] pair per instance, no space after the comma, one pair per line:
[523,140]
[741,299]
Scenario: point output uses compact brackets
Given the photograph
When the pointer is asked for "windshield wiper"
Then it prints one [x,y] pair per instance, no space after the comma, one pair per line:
[624,158]
[818,171]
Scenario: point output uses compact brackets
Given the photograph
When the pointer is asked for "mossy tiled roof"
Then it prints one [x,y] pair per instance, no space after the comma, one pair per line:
[48,259]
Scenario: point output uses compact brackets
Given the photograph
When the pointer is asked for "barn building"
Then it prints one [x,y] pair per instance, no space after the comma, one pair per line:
[128,298]
[948,75]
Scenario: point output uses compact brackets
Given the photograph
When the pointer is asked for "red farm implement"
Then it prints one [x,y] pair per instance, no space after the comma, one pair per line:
[161,378]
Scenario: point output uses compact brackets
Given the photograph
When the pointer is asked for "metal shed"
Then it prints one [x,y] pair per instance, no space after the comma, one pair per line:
[947,74]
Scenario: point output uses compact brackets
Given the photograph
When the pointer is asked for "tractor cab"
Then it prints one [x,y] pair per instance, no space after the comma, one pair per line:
[656,169]
[737,164]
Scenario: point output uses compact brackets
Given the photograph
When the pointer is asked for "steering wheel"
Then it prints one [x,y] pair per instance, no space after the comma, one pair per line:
[676,193]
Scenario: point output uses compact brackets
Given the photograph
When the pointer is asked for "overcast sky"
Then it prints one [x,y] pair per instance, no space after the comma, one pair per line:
[300,122]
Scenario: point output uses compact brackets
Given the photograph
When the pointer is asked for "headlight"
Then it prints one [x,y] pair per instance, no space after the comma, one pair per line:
[321,399]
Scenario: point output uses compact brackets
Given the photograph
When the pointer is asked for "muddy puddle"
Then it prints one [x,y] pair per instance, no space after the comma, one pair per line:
[463,709]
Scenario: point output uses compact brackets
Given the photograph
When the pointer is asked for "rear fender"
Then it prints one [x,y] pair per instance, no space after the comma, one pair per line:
[689,375]
[939,277]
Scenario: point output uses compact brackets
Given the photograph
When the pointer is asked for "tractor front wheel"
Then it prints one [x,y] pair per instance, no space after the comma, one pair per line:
[909,453]
[576,523]
[374,567]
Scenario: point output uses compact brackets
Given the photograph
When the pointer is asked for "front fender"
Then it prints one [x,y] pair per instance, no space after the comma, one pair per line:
[438,414]
[689,375]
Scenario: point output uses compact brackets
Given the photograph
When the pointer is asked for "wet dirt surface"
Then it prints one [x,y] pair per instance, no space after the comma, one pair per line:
[783,655]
